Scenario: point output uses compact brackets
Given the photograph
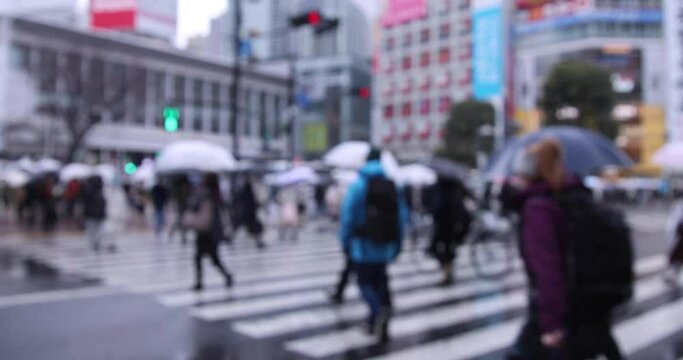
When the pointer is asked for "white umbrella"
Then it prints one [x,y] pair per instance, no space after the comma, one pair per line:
[14,178]
[297,175]
[145,174]
[75,171]
[27,165]
[48,165]
[195,155]
[416,175]
[353,155]
[670,156]
[344,176]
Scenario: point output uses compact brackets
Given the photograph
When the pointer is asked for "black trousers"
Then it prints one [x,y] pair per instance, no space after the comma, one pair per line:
[373,282]
[344,279]
[587,338]
[206,245]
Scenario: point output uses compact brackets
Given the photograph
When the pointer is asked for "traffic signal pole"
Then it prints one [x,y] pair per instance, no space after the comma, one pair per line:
[236,73]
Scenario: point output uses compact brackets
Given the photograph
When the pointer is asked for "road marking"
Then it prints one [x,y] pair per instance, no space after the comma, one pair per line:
[56,296]
[329,344]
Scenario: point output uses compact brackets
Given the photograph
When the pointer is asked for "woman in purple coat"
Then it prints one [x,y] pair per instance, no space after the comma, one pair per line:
[550,331]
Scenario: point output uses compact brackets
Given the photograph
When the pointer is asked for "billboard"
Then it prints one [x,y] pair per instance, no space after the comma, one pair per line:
[673,43]
[401,11]
[157,18]
[488,53]
[315,137]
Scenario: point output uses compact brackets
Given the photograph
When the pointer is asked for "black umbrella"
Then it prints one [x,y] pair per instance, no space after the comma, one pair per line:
[448,169]
[585,152]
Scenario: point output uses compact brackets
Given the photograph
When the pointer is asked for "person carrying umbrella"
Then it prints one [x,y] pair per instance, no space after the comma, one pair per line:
[373,219]
[204,216]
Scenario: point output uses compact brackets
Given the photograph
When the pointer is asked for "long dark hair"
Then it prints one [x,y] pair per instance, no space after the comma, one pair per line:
[212,186]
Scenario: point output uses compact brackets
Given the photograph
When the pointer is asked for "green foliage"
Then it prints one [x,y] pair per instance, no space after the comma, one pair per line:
[462,140]
[586,87]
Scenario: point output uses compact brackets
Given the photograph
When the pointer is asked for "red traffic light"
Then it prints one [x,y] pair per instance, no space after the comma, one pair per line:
[364,93]
[314,18]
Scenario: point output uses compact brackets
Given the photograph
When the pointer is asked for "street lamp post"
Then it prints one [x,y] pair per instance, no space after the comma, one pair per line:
[236,73]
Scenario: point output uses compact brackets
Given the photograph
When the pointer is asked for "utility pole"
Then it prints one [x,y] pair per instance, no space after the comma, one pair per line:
[236,73]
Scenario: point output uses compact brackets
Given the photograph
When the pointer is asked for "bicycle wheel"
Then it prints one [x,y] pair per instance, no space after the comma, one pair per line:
[493,255]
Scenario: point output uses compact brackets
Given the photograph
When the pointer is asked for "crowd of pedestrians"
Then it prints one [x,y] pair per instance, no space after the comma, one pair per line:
[567,317]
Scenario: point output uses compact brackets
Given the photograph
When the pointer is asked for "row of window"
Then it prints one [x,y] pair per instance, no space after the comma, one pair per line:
[423,107]
[131,92]
[425,35]
[427,82]
[409,133]
[425,59]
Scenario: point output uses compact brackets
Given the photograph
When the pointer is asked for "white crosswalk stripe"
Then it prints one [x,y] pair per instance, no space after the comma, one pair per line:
[282,294]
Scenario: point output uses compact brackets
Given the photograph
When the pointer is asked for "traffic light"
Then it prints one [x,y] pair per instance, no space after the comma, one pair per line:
[130,168]
[362,92]
[171,119]
[326,25]
[312,18]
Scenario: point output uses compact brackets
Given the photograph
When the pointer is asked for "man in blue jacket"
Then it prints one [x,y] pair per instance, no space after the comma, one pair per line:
[369,252]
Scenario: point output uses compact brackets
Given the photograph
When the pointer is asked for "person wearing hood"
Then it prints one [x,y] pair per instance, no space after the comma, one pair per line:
[543,238]
[373,219]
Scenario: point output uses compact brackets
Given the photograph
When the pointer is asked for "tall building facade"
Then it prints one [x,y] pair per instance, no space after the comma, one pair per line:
[622,36]
[424,66]
[45,66]
[327,66]
[263,22]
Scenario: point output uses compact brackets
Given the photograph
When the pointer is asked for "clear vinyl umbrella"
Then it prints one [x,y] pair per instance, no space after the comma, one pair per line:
[194,155]
[75,171]
[670,156]
[416,175]
[353,155]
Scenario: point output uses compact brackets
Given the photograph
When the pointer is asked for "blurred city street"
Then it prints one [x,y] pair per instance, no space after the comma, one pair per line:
[136,303]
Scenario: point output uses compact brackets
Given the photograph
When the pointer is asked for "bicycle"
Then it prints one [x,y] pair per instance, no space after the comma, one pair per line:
[493,244]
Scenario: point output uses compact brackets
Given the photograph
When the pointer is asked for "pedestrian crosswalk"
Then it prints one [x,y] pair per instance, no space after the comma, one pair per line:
[281,296]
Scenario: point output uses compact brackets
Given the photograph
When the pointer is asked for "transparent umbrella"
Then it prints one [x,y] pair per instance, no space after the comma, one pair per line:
[353,155]
[194,155]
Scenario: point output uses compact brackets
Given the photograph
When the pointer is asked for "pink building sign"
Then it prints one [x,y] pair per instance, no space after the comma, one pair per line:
[400,11]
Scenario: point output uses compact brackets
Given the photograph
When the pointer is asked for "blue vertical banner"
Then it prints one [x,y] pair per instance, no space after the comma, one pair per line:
[488,42]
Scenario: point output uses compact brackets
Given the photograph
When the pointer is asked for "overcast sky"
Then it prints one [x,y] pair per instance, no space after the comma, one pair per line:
[194,20]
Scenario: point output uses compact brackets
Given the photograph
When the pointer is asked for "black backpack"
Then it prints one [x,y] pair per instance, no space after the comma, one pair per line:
[381,209]
[599,254]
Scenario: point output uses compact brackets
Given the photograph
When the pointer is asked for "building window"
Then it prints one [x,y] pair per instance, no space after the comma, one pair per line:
[424,59]
[444,56]
[388,112]
[198,93]
[138,81]
[389,43]
[407,40]
[445,104]
[407,63]
[197,122]
[215,124]
[407,109]
[444,31]
[424,36]
[19,57]
[179,90]
[425,107]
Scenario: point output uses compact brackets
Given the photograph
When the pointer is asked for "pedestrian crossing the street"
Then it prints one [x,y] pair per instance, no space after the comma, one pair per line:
[281,295]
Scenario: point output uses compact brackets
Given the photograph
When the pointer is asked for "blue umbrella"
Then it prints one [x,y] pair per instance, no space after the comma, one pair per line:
[585,152]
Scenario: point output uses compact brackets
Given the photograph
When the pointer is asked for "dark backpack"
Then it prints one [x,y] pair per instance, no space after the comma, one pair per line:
[599,254]
[381,209]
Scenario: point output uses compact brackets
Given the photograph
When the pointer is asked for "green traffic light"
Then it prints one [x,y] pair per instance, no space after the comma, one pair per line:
[171,119]
[130,168]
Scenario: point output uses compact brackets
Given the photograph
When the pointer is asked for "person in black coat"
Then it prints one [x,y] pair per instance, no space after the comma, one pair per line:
[94,210]
[451,223]
[246,211]
[208,239]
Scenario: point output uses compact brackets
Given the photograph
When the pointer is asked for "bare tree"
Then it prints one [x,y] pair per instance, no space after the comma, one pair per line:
[88,92]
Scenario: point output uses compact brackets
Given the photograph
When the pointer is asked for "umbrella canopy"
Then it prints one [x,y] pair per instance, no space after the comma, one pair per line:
[48,165]
[585,151]
[297,175]
[14,177]
[670,156]
[416,175]
[75,171]
[448,169]
[353,155]
[344,176]
[195,155]
[145,174]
